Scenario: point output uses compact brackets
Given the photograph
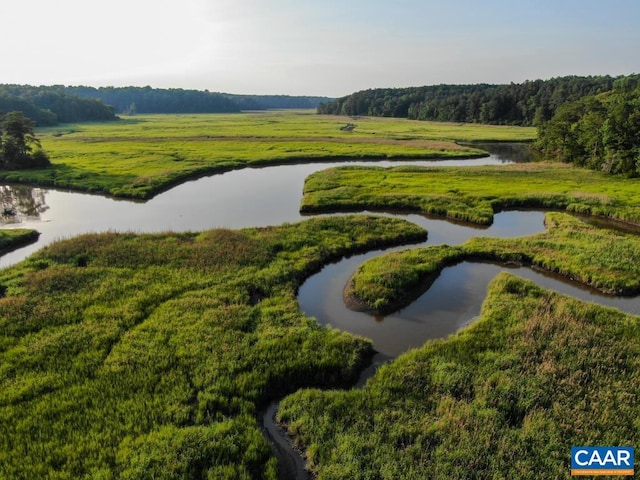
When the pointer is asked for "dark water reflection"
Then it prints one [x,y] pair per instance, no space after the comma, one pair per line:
[251,197]
[452,301]
[271,196]
[512,152]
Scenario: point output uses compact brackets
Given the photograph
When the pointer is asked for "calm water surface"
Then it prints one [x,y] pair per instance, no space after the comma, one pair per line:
[271,196]
[250,197]
[453,300]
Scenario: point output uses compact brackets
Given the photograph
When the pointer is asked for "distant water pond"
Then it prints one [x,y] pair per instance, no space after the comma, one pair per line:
[507,151]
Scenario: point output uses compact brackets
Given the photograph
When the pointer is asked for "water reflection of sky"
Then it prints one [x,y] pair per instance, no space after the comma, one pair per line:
[237,199]
[451,301]
[271,196]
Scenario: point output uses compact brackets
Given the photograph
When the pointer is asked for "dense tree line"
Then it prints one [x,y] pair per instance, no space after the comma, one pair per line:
[19,147]
[528,103]
[177,100]
[266,102]
[131,100]
[600,131]
[50,105]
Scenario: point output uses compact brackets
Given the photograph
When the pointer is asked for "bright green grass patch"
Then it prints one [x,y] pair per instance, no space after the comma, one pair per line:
[140,156]
[289,124]
[390,281]
[598,257]
[506,397]
[147,356]
[473,194]
[12,238]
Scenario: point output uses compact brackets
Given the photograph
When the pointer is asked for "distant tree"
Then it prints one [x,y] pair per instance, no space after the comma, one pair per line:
[621,133]
[528,103]
[50,105]
[558,137]
[19,147]
[601,132]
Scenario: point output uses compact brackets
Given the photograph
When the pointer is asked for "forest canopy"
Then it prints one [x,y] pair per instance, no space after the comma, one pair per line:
[133,100]
[50,105]
[529,103]
[601,132]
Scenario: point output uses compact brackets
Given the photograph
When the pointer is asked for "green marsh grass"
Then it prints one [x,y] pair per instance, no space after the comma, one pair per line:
[601,258]
[139,156]
[506,397]
[473,194]
[148,356]
[11,238]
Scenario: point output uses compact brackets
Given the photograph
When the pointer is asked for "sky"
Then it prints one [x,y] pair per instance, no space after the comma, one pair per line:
[313,47]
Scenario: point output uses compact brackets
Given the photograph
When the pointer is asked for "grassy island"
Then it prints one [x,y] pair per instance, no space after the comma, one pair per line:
[147,356]
[14,238]
[140,156]
[473,194]
[601,258]
[506,397]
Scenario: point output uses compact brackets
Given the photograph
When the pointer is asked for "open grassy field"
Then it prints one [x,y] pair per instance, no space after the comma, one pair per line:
[147,356]
[506,397]
[601,258]
[142,155]
[473,194]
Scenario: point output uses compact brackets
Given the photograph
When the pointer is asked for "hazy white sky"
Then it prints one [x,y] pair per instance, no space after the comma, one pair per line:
[313,47]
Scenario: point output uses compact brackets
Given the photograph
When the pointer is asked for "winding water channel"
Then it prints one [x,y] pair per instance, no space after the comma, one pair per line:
[271,196]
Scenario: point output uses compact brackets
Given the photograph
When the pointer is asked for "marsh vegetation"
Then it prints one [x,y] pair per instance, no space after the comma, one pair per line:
[127,355]
[601,258]
[506,397]
[473,194]
[140,156]
[14,238]
[147,356]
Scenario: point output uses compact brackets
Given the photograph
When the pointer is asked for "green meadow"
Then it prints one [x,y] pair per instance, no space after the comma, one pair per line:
[473,194]
[148,356]
[604,259]
[505,397]
[139,156]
